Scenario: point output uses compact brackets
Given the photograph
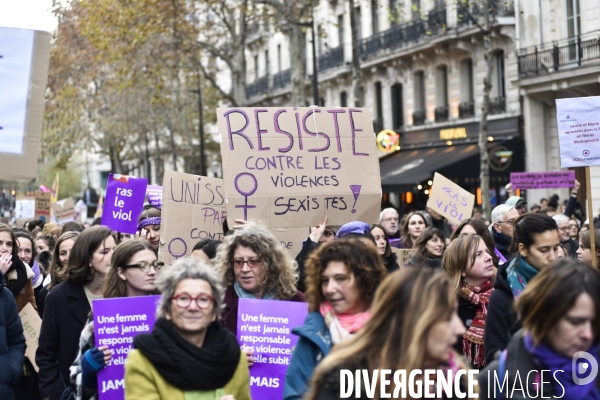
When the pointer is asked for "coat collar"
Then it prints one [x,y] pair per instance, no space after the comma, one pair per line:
[78,301]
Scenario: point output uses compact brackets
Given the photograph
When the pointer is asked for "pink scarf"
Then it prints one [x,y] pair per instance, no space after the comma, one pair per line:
[341,326]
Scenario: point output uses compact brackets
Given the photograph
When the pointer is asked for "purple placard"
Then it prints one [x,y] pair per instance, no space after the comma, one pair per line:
[123,202]
[154,193]
[265,326]
[542,180]
[116,322]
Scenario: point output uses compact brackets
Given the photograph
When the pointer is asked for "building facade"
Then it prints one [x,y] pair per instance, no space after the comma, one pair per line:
[423,68]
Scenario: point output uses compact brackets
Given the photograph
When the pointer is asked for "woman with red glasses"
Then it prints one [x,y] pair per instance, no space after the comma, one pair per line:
[189,354]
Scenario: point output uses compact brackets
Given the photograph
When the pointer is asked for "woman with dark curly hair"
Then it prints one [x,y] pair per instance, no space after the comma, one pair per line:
[342,278]
[255,266]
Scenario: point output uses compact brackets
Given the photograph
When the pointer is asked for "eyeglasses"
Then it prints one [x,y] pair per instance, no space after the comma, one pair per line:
[573,226]
[390,219]
[510,222]
[239,263]
[144,266]
[564,228]
[184,300]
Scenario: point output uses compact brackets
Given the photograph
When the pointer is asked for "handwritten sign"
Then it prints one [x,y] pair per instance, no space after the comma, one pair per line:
[291,238]
[116,322]
[32,323]
[265,327]
[154,194]
[540,180]
[25,207]
[193,209]
[579,131]
[64,210]
[450,200]
[403,255]
[42,204]
[123,202]
[291,167]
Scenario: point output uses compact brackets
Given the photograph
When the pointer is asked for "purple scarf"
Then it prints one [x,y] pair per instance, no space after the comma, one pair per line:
[554,362]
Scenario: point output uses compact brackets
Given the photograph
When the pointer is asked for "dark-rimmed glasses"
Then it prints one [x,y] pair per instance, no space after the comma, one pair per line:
[184,300]
[239,263]
[144,266]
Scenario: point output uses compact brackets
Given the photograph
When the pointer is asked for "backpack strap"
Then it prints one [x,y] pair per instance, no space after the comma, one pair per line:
[501,370]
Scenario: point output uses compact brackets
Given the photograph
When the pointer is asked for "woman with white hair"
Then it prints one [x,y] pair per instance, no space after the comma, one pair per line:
[189,353]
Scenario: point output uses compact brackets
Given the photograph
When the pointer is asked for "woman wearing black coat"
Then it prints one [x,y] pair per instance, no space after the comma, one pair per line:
[67,308]
[12,342]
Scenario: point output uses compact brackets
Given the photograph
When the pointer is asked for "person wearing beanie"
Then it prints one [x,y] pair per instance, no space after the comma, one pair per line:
[518,203]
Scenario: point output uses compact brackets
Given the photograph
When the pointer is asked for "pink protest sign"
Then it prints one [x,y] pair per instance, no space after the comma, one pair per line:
[116,322]
[542,180]
[265,326]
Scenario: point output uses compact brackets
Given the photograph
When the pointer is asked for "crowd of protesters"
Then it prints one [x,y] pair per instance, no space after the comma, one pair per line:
[515,295]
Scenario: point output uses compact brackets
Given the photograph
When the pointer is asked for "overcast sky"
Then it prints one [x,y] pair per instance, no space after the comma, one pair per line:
[28,14]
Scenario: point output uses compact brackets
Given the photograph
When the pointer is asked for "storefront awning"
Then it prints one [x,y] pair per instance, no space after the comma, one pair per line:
[403,170]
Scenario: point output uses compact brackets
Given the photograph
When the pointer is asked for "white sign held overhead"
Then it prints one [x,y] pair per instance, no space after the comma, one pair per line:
[579,131]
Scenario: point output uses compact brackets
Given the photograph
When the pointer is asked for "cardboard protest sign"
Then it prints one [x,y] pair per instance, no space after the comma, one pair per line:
[123,202]
[64,210]
[25,208]
[42,204]
[291,238]
[116,322]
[541,180]
[403,255]
[450,200]
[291,167]
[579,131]
[193,208]
[32,323]
[265,327]
[154,194]
[23,74]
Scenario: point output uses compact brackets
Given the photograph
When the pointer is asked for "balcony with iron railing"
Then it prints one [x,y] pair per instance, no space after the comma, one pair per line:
[260,86]
[559,55]
[418,117]
[466,109]
[333,58]
[441,113]
[403,35]
[282,79]
[473,12]
[497,105]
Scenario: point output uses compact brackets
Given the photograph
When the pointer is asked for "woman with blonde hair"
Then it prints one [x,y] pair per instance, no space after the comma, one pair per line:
[469,263]
[254,265]
[413,326]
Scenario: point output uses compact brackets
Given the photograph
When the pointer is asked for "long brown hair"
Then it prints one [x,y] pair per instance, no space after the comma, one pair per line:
[15,244]
[460,256]
[388,248]
[407,242]
[113,286]
[419,250]
[57,269]
[78,266]
[406,306]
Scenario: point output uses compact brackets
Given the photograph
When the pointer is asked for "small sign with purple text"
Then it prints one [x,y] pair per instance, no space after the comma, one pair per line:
[123,202]
[542,180]
[116,322]
[265,327]
[154,193]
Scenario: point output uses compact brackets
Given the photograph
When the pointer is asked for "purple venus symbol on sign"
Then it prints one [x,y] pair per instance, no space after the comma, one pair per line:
[355,192]
[245,194]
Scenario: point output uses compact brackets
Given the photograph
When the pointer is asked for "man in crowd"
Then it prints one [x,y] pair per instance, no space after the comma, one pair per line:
[503,219]
[389,219]
[518,203]
[569,244]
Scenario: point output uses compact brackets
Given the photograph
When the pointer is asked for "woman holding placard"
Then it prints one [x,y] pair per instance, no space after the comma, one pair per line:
[68,306]
[189,353]
[254,265]
[584,252]
[341,278]
[133,273]
[535,246]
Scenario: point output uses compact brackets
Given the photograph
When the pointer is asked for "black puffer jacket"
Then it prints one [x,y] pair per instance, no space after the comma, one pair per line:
[501,321]
[12,342]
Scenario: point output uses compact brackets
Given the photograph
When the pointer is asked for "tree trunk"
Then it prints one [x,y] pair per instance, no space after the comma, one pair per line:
[484,175]
[297,67]
[356,71]
[238,75]
[115,160]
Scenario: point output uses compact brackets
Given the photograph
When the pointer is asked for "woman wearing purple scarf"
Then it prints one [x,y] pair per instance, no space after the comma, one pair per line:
[555,355]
